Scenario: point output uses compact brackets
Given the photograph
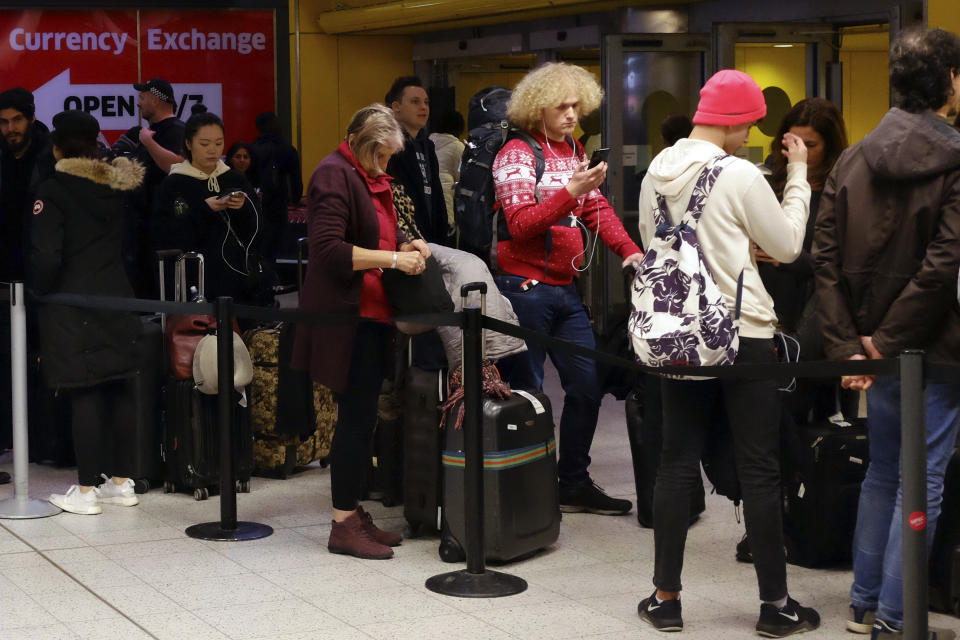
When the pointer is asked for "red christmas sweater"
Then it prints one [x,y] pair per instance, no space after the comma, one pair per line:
[530,209]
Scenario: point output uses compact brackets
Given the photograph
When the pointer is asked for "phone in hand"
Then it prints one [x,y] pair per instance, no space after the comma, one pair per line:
[230,194]
[599,155]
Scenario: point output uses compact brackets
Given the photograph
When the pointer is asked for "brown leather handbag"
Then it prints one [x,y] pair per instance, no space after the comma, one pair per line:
[182,333]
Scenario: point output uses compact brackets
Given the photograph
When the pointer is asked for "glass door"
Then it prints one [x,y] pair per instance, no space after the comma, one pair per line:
[647,77]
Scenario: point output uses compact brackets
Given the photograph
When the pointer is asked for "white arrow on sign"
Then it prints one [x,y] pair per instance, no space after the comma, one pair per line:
[115,105]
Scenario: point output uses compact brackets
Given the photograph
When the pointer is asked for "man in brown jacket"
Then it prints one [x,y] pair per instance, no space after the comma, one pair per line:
[887,251]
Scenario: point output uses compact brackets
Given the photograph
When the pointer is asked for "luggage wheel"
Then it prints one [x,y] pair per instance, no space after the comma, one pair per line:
[141,485]
[451,551]
[169,487]
[243,486]
[201,494]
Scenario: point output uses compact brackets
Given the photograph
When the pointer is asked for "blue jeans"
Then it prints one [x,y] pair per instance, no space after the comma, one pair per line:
[878,540]
[559,312]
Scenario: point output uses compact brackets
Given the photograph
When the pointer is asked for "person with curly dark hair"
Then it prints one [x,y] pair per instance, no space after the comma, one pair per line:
[887,257]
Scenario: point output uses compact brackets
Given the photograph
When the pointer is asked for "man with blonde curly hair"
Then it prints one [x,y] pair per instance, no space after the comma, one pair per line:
[545,251]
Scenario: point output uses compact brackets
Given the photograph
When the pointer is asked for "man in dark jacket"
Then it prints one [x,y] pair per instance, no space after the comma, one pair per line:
[26,159]
[160,146]
[887,251]
[417,167]
[281,182]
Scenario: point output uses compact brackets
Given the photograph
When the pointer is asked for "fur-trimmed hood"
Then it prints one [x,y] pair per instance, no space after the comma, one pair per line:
[122,174]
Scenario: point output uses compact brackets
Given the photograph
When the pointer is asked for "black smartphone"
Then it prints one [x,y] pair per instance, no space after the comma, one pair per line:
[229,194]
[599,155]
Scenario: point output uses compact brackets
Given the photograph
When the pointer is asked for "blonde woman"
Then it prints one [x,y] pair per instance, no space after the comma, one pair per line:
[545,251]
[353,236]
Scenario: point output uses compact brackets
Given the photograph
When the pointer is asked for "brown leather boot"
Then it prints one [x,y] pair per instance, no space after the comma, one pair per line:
[389,538]
[351,537]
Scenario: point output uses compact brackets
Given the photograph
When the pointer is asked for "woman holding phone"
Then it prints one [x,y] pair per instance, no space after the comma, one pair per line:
[205,206]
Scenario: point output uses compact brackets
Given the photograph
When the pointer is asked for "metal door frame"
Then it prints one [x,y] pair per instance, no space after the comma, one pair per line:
[823,77]
[603,288]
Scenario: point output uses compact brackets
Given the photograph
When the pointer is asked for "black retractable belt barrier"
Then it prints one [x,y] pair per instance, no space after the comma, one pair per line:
[910,368]
[228,528]
[476,581]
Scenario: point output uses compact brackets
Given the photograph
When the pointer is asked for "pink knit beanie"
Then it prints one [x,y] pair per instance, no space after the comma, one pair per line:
[730,98]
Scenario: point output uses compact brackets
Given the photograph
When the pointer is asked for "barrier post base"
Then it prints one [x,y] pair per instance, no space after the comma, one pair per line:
[489,584]
[215,531]
[24,509]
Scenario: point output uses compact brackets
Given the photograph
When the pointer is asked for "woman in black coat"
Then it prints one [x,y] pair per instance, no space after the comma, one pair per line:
[76,236]
[205,206]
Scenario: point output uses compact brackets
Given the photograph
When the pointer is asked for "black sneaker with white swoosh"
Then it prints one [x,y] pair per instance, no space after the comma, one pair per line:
[789,619]
[664,616]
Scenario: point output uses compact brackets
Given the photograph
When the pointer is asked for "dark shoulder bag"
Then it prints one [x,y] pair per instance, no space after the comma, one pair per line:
[417,294]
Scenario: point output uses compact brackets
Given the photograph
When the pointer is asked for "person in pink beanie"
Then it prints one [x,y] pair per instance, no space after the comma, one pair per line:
[738,210]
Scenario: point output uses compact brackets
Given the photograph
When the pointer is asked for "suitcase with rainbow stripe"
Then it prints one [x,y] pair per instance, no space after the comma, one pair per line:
[521,501]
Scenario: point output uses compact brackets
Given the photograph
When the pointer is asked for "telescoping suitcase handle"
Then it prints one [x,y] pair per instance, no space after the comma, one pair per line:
[302,248]
[181,276]
[465,290]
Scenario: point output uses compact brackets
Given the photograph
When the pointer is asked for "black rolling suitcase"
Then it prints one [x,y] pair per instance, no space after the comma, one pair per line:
[385,478]
[644,413]
[821,482]
[191,444]
[521,496]
[945,553]
[423,393]
[144,390]
[191,441]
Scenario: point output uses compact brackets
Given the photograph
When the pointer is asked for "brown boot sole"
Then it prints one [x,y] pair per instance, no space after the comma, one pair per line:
[363,556]
[391,544]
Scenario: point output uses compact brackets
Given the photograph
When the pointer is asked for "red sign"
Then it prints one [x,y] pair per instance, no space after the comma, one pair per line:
[89,60]
[918,521]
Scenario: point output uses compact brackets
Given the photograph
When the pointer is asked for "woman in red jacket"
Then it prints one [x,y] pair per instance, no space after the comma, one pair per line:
[353,236]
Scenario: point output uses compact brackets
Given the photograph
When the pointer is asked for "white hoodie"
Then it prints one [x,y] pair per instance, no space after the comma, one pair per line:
[742,207]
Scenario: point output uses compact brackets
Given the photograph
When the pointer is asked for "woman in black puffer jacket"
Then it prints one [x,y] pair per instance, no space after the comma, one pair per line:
[76,237]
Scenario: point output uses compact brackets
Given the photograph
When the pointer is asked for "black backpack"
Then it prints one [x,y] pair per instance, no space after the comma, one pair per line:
[474,201]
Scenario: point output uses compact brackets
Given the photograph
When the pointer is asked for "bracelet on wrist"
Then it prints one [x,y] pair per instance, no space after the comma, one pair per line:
[393,265]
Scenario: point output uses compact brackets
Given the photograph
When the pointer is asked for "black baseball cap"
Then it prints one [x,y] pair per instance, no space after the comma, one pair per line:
[74,125]
[158,87]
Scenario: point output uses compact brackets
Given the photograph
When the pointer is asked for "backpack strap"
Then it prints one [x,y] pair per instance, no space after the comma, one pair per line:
[500,230]
[701,190]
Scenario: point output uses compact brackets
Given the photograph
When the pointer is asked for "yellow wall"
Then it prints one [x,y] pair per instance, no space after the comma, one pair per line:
[944,14]
[338,75]
[866,81]
[773,67]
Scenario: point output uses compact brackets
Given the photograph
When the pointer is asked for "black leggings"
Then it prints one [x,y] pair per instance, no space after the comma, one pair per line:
[102,417]
[753,410]
[357,414]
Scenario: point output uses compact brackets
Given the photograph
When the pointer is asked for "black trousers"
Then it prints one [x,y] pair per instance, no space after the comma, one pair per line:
[357,414]
[102,416]
[753,410]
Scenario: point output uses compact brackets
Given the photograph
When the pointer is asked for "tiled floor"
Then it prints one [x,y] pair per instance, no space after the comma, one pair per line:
[133,573]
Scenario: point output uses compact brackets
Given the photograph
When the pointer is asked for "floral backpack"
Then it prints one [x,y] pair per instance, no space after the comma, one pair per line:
[678,314]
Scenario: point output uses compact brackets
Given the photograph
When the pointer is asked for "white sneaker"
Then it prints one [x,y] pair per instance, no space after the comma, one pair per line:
[73,501]
[121,494]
